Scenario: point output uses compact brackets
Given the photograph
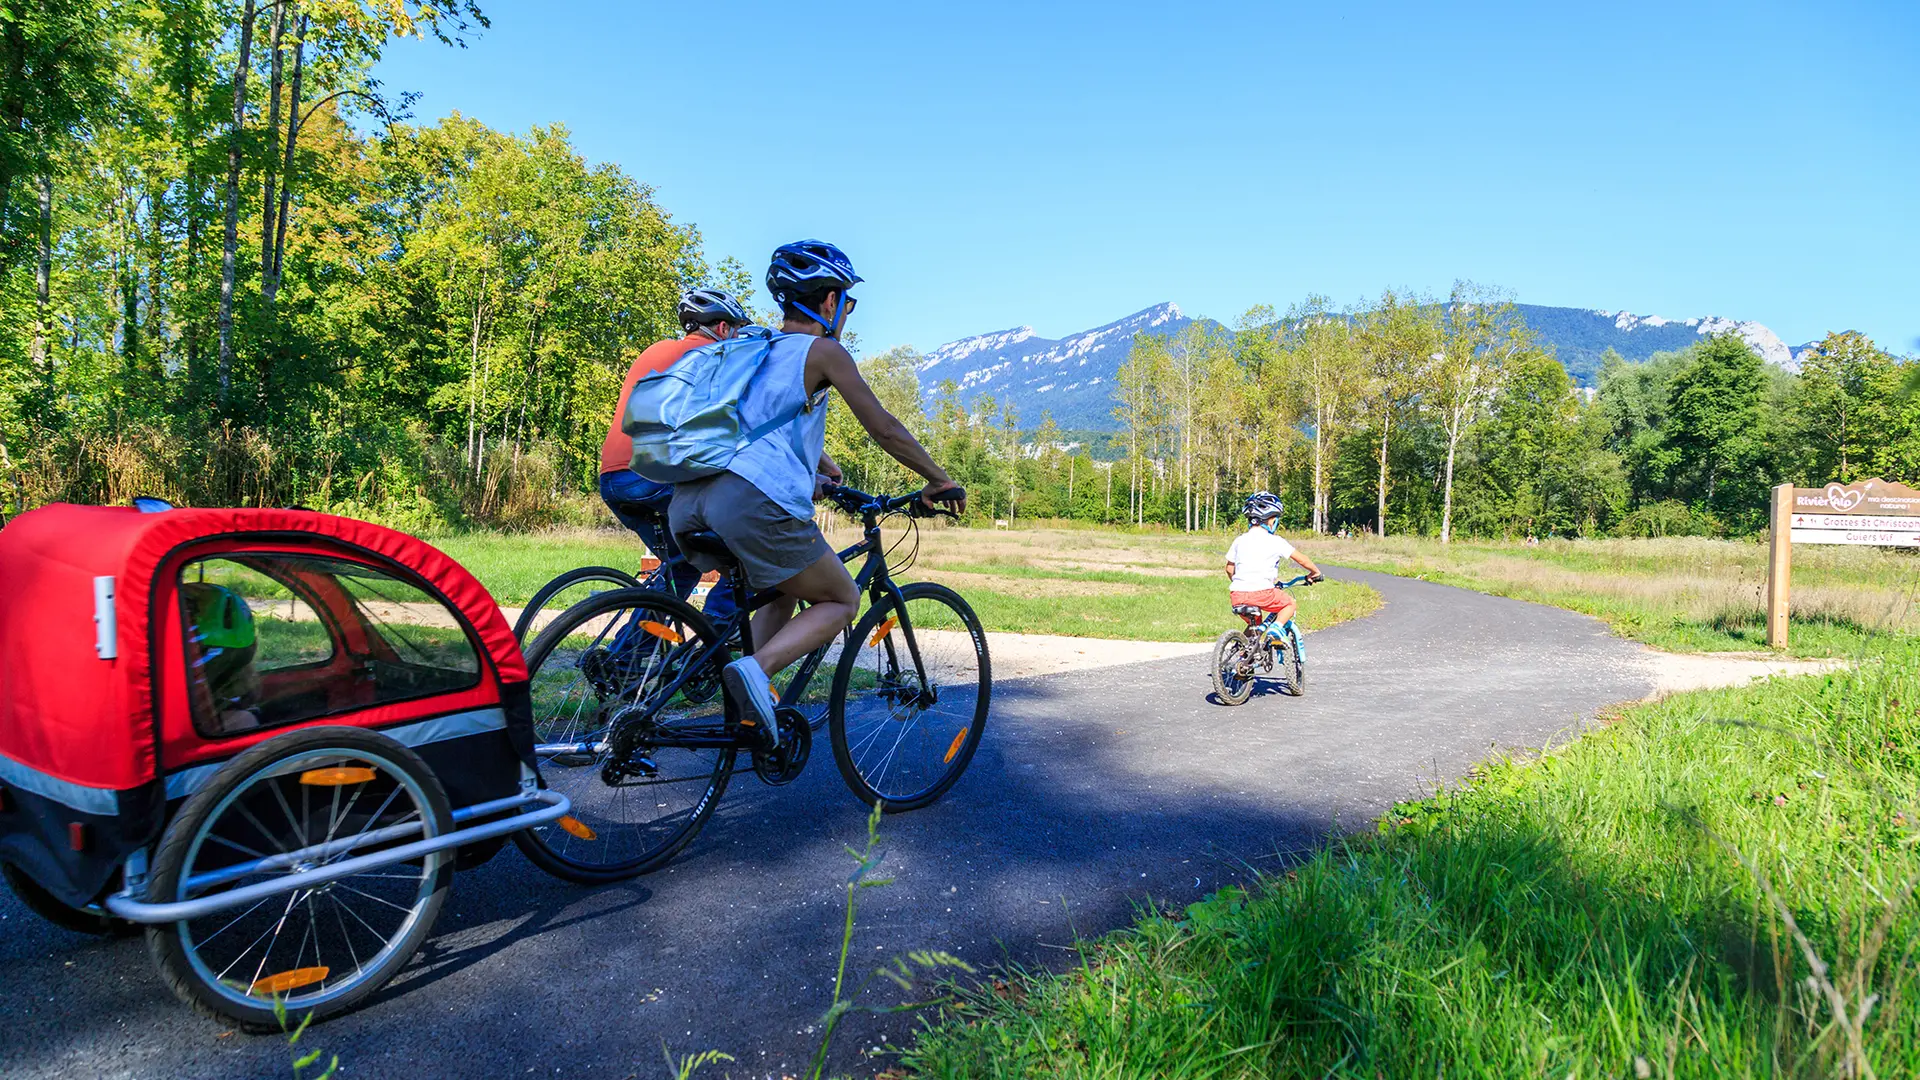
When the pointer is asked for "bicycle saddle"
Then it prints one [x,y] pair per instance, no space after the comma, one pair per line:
[706,543]
[644,510]
[1248,611]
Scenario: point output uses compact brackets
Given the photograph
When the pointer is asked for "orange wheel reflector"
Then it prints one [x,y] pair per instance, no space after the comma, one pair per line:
[954,747]
[576,827]
[663,632]
[882,631]
[338,776]
[288,980]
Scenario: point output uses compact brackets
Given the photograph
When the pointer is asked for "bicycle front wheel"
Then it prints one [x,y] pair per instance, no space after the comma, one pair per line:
[644,765]
[1293,667]
[903,731]
[565,591]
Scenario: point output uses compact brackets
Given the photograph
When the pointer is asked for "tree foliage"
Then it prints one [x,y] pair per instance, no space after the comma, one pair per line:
[426,323]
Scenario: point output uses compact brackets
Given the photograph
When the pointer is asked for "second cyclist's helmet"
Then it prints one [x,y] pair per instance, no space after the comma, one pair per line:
[1260,506]
[807,268]
[704,307]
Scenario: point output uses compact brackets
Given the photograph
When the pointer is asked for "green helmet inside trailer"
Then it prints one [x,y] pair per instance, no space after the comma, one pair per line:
[221,624]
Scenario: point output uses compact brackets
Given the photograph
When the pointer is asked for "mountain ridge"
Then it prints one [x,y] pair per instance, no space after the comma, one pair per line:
[1072,376]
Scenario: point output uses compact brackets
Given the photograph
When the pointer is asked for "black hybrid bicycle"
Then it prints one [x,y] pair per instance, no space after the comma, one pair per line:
[629,719]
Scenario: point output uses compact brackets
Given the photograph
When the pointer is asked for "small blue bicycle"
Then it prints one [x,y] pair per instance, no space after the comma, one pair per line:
[1241,656]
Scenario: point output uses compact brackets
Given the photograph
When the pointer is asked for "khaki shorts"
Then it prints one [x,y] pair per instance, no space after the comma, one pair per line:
[771,544]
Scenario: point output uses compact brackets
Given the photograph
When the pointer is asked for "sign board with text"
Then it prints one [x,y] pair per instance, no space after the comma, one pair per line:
[1868,498]
[1871,513]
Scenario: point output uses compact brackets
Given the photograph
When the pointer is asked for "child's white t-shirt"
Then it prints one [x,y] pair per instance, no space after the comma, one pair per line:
[1256,556]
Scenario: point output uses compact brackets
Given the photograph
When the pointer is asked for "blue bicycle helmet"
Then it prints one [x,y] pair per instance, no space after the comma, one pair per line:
[808,268]
[704,307]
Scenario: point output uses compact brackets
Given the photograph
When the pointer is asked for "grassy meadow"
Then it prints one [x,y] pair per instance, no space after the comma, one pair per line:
[1719,884]
[1684,594]
[1083,582]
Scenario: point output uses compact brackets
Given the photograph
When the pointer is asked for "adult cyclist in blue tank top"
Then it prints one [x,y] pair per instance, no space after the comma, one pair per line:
[762,506]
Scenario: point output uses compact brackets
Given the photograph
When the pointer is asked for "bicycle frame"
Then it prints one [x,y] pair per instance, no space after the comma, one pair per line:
[872,578]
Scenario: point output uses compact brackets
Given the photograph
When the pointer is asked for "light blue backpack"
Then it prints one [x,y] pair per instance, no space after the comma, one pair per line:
[685,420]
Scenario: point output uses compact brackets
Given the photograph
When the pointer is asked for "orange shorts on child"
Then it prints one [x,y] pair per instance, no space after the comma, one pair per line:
[1264,599]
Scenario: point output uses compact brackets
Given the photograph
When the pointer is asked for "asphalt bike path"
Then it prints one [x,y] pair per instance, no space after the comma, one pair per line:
[1094,794]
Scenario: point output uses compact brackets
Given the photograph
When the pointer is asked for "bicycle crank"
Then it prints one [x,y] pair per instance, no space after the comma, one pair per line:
[784,763]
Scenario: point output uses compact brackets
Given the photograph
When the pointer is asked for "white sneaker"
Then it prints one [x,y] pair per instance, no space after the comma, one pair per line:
[752,693]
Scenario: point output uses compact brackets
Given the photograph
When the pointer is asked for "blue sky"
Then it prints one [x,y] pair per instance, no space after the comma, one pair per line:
[988,165]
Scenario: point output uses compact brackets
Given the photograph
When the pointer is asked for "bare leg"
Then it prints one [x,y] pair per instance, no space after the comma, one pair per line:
[1285,611]
[833,601]
[768,621]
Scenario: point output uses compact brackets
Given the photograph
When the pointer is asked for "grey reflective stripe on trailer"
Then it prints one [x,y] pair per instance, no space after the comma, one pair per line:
[103,802]
[415,735]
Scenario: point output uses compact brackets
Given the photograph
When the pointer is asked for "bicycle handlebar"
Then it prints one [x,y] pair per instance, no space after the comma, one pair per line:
[1308,578]
[855,501]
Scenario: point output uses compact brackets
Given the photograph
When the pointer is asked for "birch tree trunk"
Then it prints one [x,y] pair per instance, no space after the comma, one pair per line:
[1319,427]
[473,377]
[279,251]
[42,276]
[1386,418]
[270,174]
[1446,498]
[231,241]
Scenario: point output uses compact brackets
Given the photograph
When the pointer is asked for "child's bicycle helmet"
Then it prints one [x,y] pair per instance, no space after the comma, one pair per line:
[220,624]
[1260,506]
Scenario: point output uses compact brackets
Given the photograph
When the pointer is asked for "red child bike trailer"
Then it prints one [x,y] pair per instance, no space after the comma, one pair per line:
[269,736]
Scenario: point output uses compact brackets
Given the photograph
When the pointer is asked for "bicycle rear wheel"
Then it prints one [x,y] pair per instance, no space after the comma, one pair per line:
[1232,668]
[610,727]
[895,741]
[565,591]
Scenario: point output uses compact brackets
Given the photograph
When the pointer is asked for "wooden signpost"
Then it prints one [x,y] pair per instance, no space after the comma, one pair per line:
[1872,512]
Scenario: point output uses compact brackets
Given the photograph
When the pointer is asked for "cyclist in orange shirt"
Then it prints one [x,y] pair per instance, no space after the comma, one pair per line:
[707,316]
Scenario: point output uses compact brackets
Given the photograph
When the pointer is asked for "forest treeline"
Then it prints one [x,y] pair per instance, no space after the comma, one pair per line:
[235,275]
[234,272]
[1411,414]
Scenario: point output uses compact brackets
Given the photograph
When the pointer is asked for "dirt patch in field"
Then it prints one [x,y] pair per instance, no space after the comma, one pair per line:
[1675,673]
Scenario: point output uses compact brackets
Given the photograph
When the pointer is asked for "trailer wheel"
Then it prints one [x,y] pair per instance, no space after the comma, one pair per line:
[297,804]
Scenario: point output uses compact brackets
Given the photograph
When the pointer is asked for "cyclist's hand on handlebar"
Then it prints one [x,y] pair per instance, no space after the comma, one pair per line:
[1316,578]
[944,498]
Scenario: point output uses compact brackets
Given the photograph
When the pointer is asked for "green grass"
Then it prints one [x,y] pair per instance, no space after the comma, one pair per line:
[1688,595]
[1569,916]
[513,566]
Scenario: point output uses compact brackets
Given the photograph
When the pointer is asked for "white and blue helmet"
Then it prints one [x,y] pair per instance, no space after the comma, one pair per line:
[704,307]
[1260,506]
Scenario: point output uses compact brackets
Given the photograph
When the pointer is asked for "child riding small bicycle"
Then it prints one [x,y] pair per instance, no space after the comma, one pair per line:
[1253,564]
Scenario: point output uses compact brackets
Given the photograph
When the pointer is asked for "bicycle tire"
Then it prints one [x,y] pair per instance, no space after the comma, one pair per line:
[211,828]
[878,641]
[574,851]
[619,579]
[1229,658]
